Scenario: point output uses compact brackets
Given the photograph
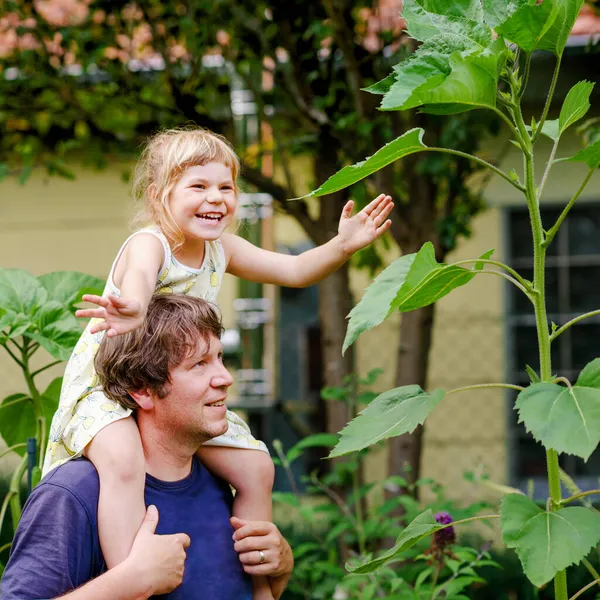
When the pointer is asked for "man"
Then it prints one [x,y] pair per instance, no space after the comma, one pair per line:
[172,368]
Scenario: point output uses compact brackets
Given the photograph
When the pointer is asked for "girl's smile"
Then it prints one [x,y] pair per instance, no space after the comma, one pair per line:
[203,201]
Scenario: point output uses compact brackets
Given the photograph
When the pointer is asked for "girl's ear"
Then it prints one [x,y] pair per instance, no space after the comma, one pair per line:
[143,399]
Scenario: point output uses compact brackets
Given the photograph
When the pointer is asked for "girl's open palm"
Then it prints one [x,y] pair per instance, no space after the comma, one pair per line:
[119,314]
[356,232]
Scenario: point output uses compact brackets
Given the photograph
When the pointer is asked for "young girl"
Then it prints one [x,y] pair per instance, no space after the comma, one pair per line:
[186,182]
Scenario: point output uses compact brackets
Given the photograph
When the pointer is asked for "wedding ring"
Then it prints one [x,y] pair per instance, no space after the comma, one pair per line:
[262,557]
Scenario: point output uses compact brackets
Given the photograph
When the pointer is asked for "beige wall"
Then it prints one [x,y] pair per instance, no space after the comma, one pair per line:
[53,224]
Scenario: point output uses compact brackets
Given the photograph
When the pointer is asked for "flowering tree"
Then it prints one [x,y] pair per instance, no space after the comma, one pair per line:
[90,78]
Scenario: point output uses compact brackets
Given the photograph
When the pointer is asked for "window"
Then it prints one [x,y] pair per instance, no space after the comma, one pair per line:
[572,276]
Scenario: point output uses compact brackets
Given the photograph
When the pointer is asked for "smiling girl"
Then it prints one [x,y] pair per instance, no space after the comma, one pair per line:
[186,183]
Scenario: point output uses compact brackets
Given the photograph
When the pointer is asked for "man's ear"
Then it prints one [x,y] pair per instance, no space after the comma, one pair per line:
[143,398]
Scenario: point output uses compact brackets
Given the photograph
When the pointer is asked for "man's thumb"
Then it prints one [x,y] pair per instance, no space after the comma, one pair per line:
[150,520]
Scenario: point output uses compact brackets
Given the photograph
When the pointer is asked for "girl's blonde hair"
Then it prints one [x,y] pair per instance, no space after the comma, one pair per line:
[166,155]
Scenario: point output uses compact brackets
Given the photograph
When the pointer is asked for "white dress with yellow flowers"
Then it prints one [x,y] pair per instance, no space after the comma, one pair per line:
[84,410]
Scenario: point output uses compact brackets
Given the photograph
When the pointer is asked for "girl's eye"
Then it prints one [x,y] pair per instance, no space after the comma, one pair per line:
[199,186]
[200,363]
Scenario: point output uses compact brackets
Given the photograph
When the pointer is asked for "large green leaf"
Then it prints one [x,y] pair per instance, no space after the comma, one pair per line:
[556,37]
[17,416]
[20,291]
[496,12]
[533,25]
[575,106]
[410,282]
[419,528]
[455,69]
[547,542]
[12,324]
[566,419]
[67,287]
[589,155]
[56,329]
[528,25]
[391,414]
[376,305]
[406,144]
[317,440]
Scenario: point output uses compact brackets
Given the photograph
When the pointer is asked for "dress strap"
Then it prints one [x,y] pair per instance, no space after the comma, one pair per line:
[153,231]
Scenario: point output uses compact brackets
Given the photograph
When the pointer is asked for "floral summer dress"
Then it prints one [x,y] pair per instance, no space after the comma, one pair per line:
[84,410]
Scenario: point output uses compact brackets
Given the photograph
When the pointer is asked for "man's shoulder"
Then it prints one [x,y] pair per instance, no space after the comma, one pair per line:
[78,476]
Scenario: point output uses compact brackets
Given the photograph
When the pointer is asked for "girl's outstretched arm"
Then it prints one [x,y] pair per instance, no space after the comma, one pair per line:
[355,232]
[135,275]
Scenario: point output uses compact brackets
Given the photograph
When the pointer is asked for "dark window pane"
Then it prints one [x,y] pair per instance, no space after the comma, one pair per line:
[521,244]
[584,231]
[531,458]
[585,339]
[584,292]
[549,216]
[520,303]
[526,349]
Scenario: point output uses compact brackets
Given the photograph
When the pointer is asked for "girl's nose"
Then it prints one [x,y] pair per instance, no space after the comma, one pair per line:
[214,195]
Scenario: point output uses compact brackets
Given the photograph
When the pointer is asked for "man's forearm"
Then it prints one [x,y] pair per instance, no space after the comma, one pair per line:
[120,583]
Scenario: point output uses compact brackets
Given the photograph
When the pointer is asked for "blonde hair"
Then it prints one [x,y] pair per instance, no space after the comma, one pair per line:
[166,155]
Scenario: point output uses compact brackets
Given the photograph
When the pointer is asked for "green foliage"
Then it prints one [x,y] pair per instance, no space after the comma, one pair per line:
[410,282]
[392,413]
[460,65]
[326,525]
[41,309]
[36,312]
[566,419]
[406,144]
[547,541]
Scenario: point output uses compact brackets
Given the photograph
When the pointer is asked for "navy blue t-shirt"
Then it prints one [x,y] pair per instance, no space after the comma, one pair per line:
[56,547]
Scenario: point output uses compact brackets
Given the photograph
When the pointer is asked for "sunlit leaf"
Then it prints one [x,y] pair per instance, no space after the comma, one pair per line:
[547,542]
[589,155]
[566,419]
[67,287]
[392,413]
[406,144]
[419,528]
[576,105]
[20,291]
[410,282]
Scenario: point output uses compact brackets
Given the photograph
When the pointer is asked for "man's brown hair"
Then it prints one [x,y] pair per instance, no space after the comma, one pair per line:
[141,359]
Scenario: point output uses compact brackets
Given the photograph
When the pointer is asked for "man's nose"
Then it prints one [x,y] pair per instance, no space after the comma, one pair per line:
[223,378]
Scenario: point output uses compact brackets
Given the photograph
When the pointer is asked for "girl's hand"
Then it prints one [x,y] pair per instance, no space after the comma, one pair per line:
[120,315]
[356,232]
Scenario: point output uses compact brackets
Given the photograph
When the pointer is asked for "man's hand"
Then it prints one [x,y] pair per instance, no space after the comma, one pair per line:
[257,539]
[117,315]
[158,560]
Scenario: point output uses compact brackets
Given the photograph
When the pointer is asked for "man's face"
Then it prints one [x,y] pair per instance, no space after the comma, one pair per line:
[194,407]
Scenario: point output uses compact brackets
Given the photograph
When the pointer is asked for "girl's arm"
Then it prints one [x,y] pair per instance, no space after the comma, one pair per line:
[135,275]
[355,232]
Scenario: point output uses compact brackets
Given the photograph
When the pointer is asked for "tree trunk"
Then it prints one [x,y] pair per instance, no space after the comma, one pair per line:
[412,363]
[335,302]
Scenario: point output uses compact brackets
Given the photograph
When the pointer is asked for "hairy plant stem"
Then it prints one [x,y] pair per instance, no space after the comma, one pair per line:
[539,301]
[585,589]
[480,161]
[578,496]
[478,386]
[568,324]
[486,261]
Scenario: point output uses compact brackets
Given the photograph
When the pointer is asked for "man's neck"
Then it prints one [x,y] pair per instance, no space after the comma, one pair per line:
[166,458]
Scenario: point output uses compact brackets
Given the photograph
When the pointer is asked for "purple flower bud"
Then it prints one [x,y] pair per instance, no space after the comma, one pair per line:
[447,536]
